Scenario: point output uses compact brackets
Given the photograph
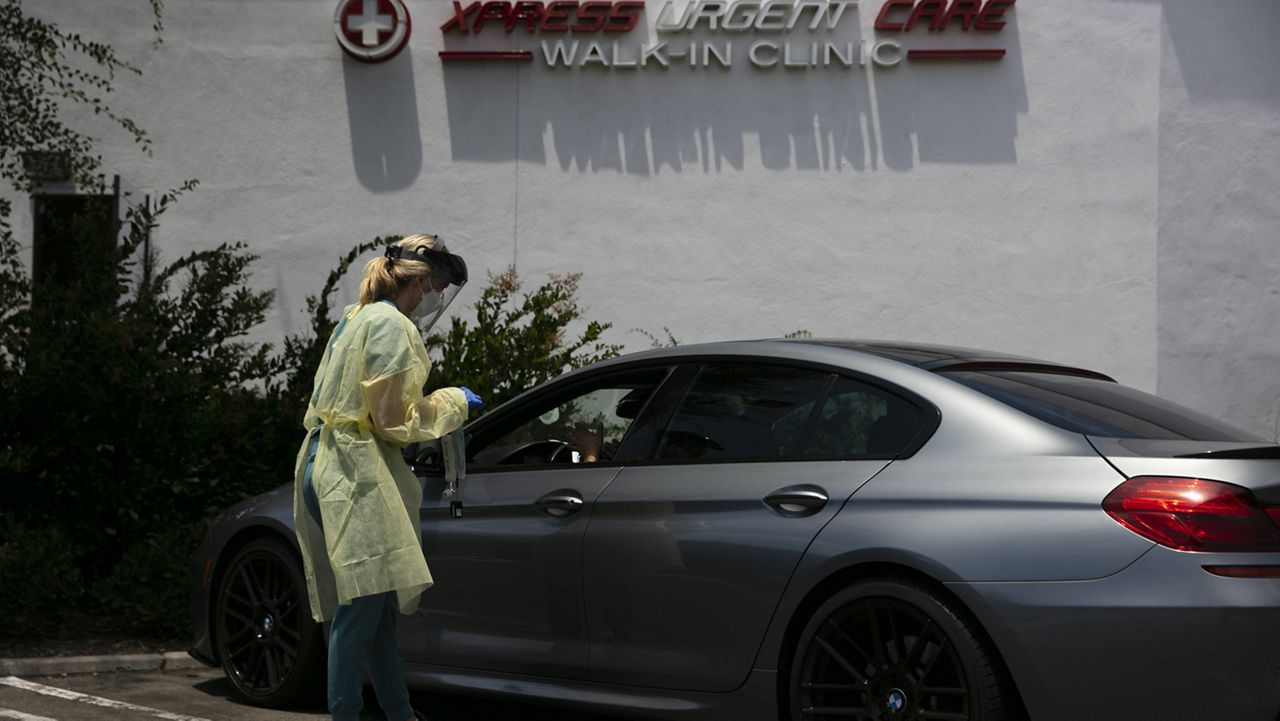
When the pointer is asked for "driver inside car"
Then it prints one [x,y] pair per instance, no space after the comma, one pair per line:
[589,443]
[592,442]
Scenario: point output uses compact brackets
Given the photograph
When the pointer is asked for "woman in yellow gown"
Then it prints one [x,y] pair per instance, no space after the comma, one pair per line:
[355,500]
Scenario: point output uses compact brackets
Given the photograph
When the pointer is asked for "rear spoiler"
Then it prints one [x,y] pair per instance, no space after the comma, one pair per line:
[1014,367]
[1255,453]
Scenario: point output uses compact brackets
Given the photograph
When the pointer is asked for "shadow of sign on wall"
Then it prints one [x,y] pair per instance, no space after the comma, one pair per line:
[382,113]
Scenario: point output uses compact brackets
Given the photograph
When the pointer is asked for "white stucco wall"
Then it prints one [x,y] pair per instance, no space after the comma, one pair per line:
[1219,263]
[1102,196]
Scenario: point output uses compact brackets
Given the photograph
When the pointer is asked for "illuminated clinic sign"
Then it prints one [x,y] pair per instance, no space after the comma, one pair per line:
[702,33]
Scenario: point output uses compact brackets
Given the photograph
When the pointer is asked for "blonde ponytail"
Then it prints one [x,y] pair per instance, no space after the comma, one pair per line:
[384,277]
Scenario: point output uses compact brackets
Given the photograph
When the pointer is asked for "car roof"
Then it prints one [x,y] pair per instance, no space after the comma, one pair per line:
[926,356]
[923,355]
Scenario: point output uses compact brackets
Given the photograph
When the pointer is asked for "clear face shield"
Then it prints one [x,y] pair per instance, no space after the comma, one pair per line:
[440,287]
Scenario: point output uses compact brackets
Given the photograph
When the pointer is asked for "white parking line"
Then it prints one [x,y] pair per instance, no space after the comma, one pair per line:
[63,693]
[10,713]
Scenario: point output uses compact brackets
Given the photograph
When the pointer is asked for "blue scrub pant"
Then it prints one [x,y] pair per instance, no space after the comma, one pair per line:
[362,639]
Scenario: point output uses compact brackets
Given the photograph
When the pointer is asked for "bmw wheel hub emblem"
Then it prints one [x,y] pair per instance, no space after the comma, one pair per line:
[896,702]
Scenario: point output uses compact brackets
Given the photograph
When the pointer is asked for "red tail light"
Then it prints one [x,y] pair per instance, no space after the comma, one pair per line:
[1245,571]
[1192,514]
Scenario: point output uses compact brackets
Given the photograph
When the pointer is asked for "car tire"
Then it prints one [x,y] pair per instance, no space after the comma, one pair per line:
[271,650]
[894,648]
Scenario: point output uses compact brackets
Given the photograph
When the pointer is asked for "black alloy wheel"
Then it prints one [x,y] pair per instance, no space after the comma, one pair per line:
[892,648]
[272,652]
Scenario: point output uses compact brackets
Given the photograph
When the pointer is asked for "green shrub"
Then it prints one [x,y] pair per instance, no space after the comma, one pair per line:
[149,589]
[129,401]
[513,344]
[40,578]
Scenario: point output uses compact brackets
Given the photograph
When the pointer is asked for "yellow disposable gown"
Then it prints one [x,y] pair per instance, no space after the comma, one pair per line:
[370,405]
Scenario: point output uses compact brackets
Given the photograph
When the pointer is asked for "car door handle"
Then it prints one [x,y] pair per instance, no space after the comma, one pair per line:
[797,500]
[560,503]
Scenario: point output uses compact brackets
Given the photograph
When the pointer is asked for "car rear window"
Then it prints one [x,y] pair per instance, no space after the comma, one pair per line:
[858,420]
[1097,407]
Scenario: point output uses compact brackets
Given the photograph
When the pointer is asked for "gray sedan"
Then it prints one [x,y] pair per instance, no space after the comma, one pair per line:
[814,529]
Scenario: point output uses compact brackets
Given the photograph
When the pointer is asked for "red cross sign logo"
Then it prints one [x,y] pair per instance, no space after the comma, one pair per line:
[372,31]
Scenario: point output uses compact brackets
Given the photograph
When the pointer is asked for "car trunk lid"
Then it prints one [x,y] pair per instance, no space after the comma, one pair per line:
[1252,465]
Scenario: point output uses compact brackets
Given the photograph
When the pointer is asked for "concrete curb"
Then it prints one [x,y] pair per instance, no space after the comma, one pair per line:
[58,665]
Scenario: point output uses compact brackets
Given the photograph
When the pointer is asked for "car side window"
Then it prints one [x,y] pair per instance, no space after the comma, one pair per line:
[741,411]
[585,427]
[859,420]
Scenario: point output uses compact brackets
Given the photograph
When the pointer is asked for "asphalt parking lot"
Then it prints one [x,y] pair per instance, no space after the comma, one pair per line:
[204,695]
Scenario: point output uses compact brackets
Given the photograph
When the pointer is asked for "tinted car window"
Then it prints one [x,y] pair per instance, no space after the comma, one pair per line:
[600,413]
[857,419]
[738,411]
[1097,407]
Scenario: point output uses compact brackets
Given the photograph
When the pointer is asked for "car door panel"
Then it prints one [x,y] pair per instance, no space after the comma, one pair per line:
[685,564]
[508,586]
[508,572]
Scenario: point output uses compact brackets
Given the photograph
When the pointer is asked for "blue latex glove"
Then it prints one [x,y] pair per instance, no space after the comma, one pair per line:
[474,402]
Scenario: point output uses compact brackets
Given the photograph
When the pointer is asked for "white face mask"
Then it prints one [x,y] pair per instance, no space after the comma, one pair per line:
[429,304]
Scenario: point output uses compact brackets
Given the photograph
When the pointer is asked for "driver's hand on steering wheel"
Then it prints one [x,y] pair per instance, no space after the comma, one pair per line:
[587,441]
